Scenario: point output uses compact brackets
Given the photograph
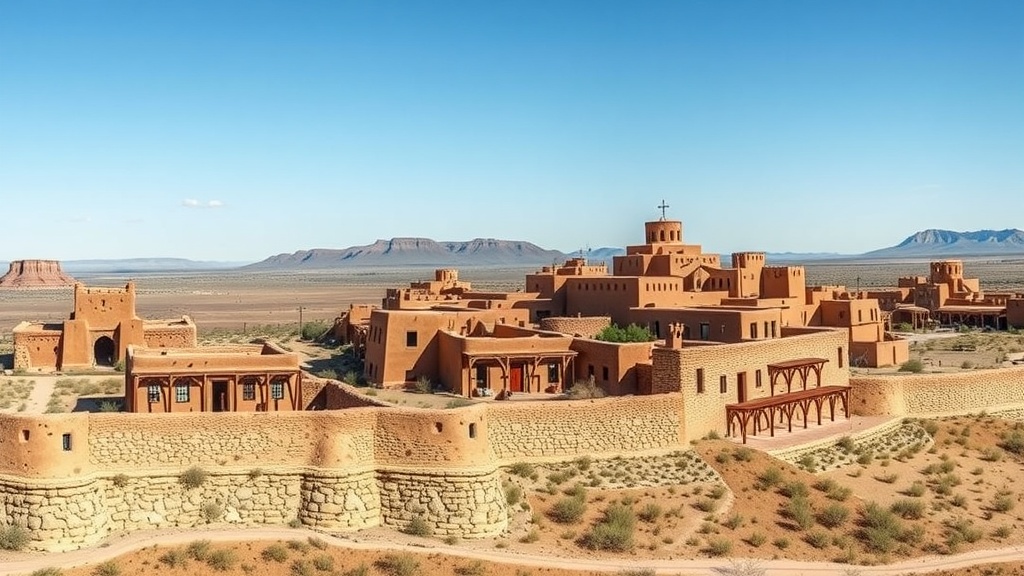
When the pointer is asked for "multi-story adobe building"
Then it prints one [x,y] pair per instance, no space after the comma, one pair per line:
[542,338]
[945,297]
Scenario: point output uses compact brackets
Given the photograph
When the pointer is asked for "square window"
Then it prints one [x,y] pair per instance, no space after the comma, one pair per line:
[181,392]
[248,391]
[277,390]
[153,393]
[411,339]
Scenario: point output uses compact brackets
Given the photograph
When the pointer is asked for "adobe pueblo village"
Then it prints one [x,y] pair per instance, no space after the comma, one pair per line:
[668,412]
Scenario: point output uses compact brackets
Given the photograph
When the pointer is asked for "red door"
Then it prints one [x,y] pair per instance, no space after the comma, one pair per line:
[515,379]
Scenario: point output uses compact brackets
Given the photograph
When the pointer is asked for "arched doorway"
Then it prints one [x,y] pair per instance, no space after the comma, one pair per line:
[103,351]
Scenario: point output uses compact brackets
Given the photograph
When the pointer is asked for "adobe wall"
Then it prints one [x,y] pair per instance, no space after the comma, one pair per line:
[538,431]
[939,393]
[585,326]
[179,336]
[36,349]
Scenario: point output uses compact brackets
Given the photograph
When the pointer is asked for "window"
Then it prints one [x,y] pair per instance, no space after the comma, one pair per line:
[860,315]
[65,442]
[472,429]
[723,384]
[153,393]
[481,376]
[248,390]
[774,333]
[757,379]
[181,392]
[705,331]
[840,357]
[753,330]
[411,339]
[604,373]
[700,380]
[553,372]
[277,389]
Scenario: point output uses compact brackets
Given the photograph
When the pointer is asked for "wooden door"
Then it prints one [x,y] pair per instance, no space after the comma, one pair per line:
[515,379]
[741,387]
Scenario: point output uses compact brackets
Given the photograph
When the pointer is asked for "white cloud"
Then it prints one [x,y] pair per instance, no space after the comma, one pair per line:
[193,203]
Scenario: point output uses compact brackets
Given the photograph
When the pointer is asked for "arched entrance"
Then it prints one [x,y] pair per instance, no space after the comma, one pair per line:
[103,351]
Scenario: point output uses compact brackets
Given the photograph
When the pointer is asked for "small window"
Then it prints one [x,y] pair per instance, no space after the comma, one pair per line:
[554,371]
[472,429]
[153,393]
[700,380]
[248,391]
[65,442]
[411,339]
[723,384]
[181,392]
[753,330]
[277,390]
[757,379]
[481,376]
[705,331]
[604,373]
[839,357]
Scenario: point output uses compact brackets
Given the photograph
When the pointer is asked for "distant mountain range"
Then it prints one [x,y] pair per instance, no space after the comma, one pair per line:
[947,243]
[424,252]
[416,252]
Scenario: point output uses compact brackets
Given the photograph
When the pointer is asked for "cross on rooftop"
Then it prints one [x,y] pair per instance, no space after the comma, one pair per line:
[663,206]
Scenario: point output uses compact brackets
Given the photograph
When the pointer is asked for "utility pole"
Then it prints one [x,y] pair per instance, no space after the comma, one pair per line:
[300,322]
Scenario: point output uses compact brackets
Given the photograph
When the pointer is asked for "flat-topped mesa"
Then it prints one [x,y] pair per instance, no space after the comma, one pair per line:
[35,274]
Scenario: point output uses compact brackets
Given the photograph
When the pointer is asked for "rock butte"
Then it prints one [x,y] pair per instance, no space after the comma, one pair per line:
[35,274]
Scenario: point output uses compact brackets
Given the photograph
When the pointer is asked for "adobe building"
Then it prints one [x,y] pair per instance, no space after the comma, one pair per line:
[945,297]
[102,326]
[249,378]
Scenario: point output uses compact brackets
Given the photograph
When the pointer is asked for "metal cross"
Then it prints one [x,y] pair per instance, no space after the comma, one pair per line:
[663,206]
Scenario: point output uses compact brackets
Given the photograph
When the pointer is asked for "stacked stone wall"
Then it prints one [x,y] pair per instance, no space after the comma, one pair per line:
[567,429]
[455,503]
[938,393]
[584,326]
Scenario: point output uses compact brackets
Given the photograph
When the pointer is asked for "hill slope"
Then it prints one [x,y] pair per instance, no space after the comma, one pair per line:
[416,252]
[943,243]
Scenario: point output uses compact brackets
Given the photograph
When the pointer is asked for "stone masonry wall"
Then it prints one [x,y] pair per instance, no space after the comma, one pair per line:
[59,515]
[938,393]
[585,326]
[547,430]
[458,503]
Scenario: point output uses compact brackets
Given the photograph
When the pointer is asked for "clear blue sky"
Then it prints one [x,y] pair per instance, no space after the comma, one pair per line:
[236,130]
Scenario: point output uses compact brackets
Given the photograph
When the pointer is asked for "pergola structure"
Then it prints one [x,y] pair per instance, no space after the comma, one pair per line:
[519,369]
[917,316]
[980,316]
[761,412]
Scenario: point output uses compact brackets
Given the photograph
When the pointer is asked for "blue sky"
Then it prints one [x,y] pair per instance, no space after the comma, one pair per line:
[237,130]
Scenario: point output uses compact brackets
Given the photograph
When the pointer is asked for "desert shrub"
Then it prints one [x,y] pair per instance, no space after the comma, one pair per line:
[818,539]
[110,406]
[300,568]
[733,522]
[198,549]
[846,444]
[120,481]
[757,539]
[881,528]
[722,457]
[913,365]
[770,477]
[808,462]
[794,489]
[719,547]
[991,454]
[423,385]
[967,365]
[522,469]
[781,543]
[1003,531]
[361,570]
[833,515]
[318,543]
[839,493]
[631,333]
[475,568]
[13,537]
[174,558]
[930,426]
[615,532]
[887,478]
[221,560]
[323,563]
[51,571]
[825,484]
[1013,442]
[909,509]
[275,553]
[532,536]
[212,511]
[798,509]
[583,389]
[706,505]
[561,476]
[649,512]
[108,568]
[865,458]
[916,490]
[743,454]
[398,565]
[314,330]
[513,494]
[717,491]
[418,526]
[194,477]
[568,510]
[1001,503]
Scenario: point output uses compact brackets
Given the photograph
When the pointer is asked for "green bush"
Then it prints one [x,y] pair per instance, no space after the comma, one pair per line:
[568,510]
[770,477]
[719,547]
[818,539]
[631,333]
[108,568]
[1002,503]
[881,528]
[757,539]
[522,469]
[833,515]
[212,512]
[650,512]
[418,526]
[794,489]
[1013,442]
[13,537]
[198,549]
[909,509]
[174,558]
[314,330]
[615,532]
[799,511]
[51,571]
[323,563]
[913,365]
[475,568]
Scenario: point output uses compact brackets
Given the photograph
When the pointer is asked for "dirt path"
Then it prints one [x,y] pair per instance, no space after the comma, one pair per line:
[17,564]
[40,396]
